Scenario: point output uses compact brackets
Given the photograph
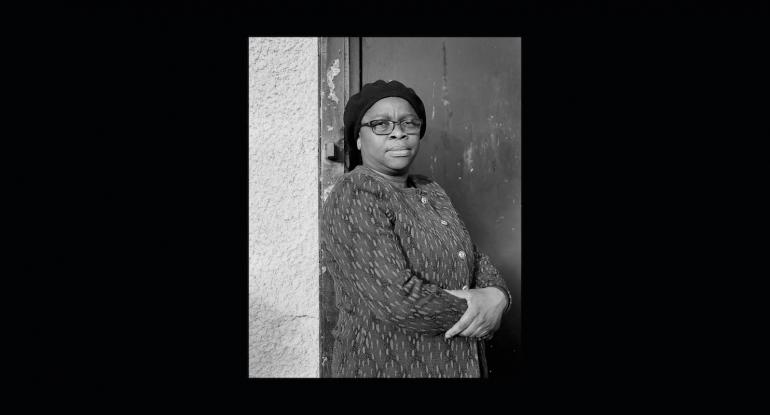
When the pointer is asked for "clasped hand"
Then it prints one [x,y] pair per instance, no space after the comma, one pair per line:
[485,310]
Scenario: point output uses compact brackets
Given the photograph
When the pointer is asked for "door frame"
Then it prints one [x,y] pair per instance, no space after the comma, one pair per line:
[339,75]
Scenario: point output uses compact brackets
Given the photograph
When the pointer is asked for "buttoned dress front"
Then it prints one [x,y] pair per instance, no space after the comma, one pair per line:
[391,253]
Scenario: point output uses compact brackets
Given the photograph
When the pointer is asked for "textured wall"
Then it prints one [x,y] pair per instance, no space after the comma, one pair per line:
[283,207]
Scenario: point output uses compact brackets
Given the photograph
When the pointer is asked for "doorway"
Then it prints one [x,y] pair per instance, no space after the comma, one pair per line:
[471,88]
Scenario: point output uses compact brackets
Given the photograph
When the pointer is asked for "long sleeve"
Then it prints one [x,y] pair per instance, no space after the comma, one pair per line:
[359,235]
[488,276]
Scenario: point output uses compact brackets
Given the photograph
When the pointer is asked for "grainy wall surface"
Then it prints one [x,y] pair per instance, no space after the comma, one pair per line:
[283,207]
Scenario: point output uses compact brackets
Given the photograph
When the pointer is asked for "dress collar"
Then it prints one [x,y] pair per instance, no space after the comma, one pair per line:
[412,185]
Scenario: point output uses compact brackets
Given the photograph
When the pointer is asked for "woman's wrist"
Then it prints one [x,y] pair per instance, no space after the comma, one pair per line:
[506,295]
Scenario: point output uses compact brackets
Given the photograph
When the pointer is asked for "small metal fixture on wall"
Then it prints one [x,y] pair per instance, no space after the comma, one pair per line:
[334,151]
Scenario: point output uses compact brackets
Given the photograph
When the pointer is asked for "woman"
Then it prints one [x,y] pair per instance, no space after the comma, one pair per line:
[414,294]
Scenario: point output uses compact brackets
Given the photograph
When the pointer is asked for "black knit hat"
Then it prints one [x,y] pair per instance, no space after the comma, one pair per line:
[359,103]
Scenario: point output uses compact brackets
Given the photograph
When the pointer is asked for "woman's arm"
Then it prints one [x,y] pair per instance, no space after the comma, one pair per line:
[484,273]
[488,276]
[485,307]
[359,235]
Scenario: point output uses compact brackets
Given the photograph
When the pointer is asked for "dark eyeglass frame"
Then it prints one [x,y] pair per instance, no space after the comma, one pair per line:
[392,125]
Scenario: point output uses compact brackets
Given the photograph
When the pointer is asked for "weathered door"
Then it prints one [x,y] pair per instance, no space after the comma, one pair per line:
[339,77]
[471,88]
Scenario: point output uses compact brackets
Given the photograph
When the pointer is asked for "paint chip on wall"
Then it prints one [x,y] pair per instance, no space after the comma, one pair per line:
[333,71]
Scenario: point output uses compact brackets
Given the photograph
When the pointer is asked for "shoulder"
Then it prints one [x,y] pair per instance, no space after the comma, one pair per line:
[359,185]
[354,193]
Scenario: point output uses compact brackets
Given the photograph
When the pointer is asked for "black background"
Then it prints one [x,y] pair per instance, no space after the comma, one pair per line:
[643,135]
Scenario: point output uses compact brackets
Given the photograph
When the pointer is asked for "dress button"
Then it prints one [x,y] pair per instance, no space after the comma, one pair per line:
[443,222]
[424,200]
[461,254]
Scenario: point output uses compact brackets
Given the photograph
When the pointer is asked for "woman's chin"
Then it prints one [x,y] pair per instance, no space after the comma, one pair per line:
[399,163]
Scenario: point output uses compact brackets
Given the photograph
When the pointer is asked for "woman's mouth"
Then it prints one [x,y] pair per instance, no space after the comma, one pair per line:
[399,153]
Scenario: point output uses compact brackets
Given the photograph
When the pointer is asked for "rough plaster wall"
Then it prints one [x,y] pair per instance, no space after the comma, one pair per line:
[283,207]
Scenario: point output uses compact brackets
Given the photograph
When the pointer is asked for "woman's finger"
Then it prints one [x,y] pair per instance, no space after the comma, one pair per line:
[463,323]
[459,293]
[483,330]
[473,328]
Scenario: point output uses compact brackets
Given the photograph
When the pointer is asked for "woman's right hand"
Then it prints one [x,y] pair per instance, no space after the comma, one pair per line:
[484,313]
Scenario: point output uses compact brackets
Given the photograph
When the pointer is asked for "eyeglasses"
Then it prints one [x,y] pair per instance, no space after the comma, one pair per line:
[383,127]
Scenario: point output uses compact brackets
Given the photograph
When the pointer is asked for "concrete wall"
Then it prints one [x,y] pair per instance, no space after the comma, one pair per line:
[283,207]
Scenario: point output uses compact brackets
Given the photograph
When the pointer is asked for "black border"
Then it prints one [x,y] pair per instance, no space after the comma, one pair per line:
[626,121]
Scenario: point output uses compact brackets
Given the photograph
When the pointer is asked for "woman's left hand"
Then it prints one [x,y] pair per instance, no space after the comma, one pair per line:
[485,310]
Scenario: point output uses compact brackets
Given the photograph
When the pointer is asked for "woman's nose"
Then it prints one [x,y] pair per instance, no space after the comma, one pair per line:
[397,132]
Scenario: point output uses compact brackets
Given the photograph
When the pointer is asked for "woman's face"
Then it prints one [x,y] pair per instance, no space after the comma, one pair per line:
[392,153]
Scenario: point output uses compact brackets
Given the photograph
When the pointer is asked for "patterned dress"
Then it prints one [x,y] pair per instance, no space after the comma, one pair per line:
[391,251]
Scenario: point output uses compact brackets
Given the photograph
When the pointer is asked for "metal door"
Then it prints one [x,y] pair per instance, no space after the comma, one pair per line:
[471,88]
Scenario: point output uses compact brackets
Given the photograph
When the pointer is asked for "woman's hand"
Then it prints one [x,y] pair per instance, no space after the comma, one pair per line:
[485,310]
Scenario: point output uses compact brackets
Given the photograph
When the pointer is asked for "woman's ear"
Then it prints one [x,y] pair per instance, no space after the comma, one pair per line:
[358,143]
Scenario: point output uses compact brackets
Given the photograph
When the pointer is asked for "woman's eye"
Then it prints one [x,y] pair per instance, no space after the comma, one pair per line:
[379,123]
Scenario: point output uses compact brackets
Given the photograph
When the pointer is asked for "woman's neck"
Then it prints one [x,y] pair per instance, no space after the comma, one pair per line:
[396,180]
